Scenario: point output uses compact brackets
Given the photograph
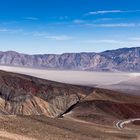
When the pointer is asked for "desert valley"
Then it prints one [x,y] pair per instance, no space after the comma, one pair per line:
[69,69]
[78,105]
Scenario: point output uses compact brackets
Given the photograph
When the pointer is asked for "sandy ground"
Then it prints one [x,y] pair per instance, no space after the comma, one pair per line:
[6,135]
[74,77]
[42,128]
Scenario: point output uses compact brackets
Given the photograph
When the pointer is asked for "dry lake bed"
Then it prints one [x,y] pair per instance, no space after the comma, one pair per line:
[126,82]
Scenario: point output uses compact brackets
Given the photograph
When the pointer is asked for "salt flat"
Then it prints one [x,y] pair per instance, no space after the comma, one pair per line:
[74,77]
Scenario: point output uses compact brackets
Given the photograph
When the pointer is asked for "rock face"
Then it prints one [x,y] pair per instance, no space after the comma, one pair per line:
[126,59]
[25,95]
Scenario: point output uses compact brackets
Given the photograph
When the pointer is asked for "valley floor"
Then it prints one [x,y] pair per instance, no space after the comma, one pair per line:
[85,78]
[126,82]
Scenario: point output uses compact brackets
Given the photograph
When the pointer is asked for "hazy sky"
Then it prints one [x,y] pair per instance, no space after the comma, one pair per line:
[57,26]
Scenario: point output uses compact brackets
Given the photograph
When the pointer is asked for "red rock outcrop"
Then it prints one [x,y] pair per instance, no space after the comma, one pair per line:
[26,95]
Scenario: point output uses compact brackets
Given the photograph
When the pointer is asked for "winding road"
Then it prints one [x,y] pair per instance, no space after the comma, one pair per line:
[120,124]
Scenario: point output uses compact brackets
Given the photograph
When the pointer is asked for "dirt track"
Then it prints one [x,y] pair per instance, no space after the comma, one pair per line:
[121,123]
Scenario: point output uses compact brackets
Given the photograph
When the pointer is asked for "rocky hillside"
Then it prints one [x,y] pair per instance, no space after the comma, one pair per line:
[126,59]
[25,95]
[105,107]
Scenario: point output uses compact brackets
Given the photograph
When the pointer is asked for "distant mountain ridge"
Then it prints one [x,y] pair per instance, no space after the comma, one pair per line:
[124,59]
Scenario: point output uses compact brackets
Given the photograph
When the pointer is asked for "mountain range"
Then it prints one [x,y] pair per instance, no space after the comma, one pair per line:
[124,59]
